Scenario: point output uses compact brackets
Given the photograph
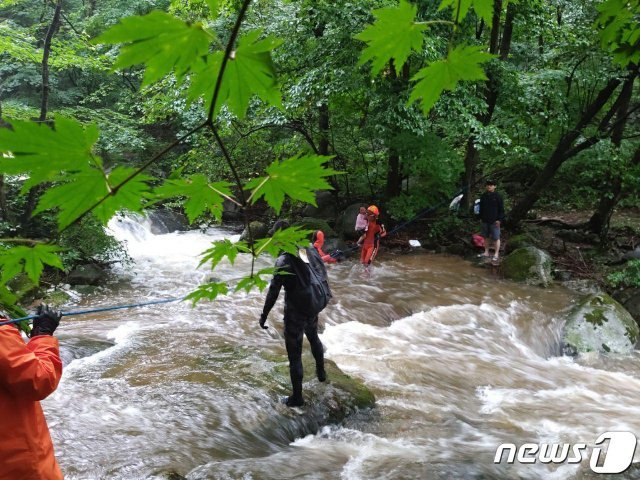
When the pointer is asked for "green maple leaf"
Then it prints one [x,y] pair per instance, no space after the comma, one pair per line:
[287,240]
[221,249]
[213,7]
[484,10]
[250,71]
[42,152]
[394,35]
[298,177]
[127,197]
[208,291]
[160,41]
[31,260]
[77,193]
[619,30]
[200,194]
[462,63]
[248,283]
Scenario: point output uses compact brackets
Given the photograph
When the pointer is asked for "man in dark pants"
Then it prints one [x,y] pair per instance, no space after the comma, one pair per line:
[491,214]
[293,275]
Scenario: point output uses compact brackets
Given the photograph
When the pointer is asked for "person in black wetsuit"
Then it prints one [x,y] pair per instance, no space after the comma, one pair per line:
[491,214]
[294,276]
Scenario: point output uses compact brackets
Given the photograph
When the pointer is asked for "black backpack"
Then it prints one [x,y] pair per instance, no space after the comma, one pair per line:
[314,293]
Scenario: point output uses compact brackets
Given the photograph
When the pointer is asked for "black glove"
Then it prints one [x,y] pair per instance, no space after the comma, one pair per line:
[263,320]
[46,322]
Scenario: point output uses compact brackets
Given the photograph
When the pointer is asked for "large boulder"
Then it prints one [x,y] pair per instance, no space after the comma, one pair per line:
[630,300]
[310,223]
[258,230]
[326,206]
[165,220]
[328,402]
[528,264]
[346,222]
[515,242]
[600,324]
[231,211]
[89,274]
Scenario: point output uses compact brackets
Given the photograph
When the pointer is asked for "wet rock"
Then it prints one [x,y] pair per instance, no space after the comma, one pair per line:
[231,212]
[562,275]
[258,230]
[518,241]
[326,402]
[326,206]
[632,255]
[165,220]
[309,223]
[346,222]
[89,274]
[56,298]
[72,349]
[578,236]
[600,324]
[528,264]
[583,286]
[632,304]
[23,288]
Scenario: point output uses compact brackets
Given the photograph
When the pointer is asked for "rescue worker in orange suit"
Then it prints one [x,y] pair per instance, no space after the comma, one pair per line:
[371,239]
[28,373]
[318,243]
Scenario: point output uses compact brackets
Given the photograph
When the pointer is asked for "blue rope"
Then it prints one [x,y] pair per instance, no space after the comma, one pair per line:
[95,310]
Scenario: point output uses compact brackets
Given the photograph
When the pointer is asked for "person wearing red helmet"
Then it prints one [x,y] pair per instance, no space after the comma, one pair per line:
[371,239]
[318,243]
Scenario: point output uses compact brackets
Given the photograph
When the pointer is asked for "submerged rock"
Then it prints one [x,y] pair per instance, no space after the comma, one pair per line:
[528,264]
[600,324]
[325,402]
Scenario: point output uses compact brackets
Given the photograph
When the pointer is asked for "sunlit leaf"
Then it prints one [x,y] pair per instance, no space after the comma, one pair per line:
[256,281]
[249,71]
[286,240]
[208,291]
[31,260]
[221,249]
[77,193]
[160,41]
[463,63]
[394,35]
[42,153]
[297,177]
[201,195]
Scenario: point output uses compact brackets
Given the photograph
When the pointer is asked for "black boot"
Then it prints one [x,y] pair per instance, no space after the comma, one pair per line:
[320,373]
[293,401]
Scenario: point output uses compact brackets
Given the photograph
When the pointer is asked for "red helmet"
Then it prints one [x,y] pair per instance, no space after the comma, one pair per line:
[373,209]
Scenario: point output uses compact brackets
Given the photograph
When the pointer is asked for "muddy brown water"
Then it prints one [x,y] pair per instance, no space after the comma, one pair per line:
[459,361]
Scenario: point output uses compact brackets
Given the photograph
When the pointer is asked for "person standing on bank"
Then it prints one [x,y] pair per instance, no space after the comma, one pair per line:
[29,372]
[492,215]
[293,273]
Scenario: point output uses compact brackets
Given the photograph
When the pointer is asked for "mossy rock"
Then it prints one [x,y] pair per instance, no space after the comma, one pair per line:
[528,264]
[331,401]
[521,240]
[310,223]
[23,288]
[600,324]
[56,298]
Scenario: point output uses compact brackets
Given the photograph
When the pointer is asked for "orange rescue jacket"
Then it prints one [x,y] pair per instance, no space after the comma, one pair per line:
[28,373]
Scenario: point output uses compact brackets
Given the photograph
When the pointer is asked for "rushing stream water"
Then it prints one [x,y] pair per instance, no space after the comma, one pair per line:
[459,361]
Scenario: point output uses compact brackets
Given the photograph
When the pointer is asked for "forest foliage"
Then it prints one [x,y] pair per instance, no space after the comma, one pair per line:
[120,106]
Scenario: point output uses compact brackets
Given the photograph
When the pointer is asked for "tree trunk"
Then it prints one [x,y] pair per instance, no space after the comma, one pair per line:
[33,195]
[323,124]
[394,165]
[599,221]
[55,23]
[491,91]
[563,151]
[4,213]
